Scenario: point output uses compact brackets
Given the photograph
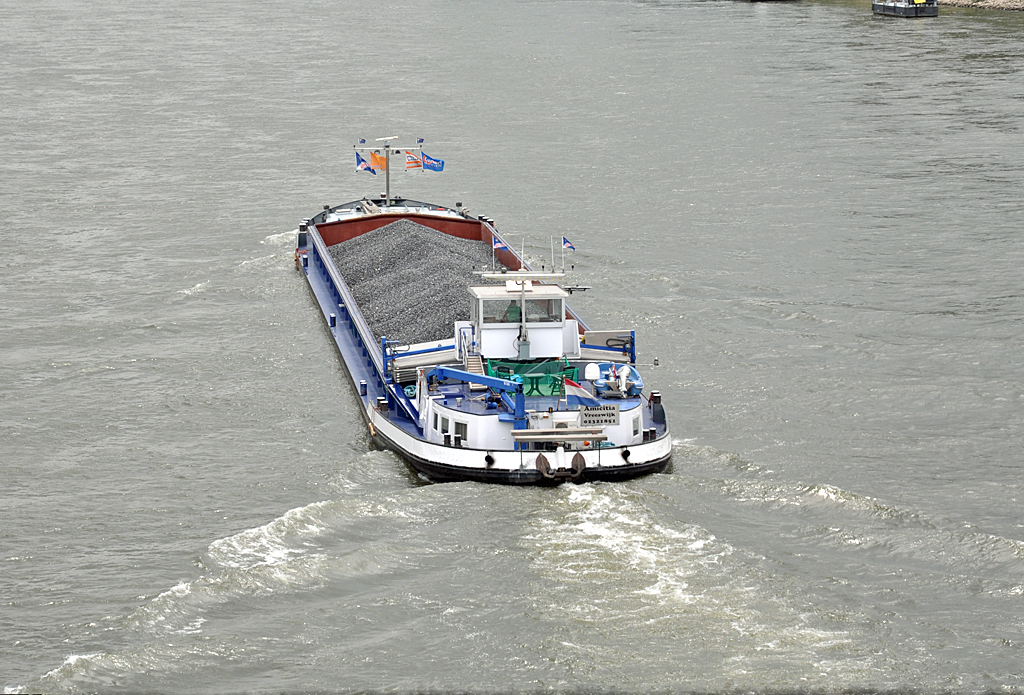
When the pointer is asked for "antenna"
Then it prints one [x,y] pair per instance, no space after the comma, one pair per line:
[388,149]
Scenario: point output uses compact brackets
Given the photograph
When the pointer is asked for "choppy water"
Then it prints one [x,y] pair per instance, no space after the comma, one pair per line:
[813,216]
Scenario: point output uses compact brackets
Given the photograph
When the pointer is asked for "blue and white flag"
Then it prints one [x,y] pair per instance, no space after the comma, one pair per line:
[431,164]
[579,396]
[566,244]
[363,165]
[499,244]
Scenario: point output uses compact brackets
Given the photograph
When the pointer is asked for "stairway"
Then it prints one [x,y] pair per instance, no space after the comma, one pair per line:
[475,365]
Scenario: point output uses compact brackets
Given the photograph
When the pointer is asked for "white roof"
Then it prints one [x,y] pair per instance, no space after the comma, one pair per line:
[533,291]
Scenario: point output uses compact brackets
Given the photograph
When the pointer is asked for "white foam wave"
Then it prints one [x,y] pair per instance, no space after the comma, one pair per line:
[196,289]
[73,664]
[259,262]
[611,563]
[100,672]
[604,532]
[193,628]
[272,544]
[282,239]
[280,555]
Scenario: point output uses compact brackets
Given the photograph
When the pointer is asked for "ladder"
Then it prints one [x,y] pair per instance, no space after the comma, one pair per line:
[475,365]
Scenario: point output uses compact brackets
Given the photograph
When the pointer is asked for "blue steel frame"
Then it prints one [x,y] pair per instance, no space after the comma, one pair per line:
[516,403]
[384,342]
[631,351]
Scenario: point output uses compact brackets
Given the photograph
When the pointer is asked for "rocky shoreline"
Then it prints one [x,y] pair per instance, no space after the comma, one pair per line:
[1017,5]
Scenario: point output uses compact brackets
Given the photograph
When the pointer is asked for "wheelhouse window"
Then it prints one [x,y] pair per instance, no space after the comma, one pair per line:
[544,310]
[501,311]
[461,430]
[510,310]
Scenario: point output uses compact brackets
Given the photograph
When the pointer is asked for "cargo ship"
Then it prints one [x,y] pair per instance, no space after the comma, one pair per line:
[906,8]
[468,363]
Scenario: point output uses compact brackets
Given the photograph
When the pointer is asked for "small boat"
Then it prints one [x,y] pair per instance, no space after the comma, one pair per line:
[906,8]
[468,363]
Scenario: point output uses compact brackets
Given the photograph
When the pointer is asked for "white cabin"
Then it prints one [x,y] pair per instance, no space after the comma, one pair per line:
[522,320]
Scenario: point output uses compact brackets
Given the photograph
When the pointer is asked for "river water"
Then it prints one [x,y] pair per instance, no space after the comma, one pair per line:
[812,216]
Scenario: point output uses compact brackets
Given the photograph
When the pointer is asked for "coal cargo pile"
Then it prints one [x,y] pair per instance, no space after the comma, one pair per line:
[410,280]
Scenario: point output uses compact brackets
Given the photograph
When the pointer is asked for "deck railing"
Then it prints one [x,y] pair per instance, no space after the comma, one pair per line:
[366,337]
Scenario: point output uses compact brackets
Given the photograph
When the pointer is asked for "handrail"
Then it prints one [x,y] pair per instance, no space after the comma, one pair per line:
[609,348]
[439,348]
[462,344]
[362,328]
[557,436]
[406,404]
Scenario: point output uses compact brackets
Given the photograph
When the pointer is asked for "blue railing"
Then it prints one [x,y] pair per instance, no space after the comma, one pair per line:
[628,349]
[369,344]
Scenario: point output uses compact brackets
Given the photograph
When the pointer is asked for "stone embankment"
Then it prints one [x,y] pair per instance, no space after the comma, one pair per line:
[986,4]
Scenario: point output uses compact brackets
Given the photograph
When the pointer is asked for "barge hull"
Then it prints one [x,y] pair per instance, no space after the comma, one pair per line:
[361,357]
[907,10]
[517,467]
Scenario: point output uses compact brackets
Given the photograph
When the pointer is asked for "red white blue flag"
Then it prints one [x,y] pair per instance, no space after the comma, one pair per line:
[499,244]
[363,165]
[579,396]
[566,244]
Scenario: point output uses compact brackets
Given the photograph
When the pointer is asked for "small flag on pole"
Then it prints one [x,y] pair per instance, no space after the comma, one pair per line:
[566,244]
[419,141]
[362,165]
[413,162]
[431,164]
[362,141]
[499,244]
[378,162]
[579,396]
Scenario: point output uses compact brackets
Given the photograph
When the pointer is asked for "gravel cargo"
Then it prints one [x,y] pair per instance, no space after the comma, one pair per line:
[410,281]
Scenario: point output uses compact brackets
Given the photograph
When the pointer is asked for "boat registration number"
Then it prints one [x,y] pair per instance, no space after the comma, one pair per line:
[599,416]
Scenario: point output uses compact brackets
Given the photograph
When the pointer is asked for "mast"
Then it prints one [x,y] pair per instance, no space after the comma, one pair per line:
[388,148]
[387,176]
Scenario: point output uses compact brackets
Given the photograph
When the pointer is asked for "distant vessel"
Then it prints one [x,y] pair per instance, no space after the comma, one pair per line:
[907,8]
[518,391]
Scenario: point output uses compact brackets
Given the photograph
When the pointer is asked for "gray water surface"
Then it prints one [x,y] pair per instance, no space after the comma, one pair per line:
[812,216]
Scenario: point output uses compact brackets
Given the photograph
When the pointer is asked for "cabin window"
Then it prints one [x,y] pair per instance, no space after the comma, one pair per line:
[636,425]
[501,311]
[461,429]
[435,422]
[544,310]
[444,424]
